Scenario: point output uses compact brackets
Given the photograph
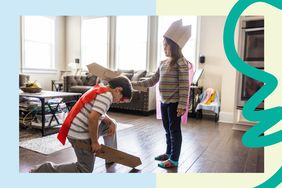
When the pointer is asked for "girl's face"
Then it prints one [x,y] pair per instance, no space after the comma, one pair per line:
[167,49]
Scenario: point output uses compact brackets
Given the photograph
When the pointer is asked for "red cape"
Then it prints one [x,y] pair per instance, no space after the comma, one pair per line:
[84,99]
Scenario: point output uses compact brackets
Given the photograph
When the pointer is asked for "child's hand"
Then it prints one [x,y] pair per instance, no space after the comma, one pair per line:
[112,129]
[96,148]
[180,112]
[134,83]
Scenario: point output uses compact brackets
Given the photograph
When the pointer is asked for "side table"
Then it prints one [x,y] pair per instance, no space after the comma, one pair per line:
[195,92]
[57,85]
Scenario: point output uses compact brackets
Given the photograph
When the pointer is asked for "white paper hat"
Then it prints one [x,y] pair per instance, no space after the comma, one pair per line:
[178,33]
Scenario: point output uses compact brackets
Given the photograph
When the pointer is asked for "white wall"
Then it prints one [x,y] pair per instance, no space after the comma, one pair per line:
[218,72]
[73,38]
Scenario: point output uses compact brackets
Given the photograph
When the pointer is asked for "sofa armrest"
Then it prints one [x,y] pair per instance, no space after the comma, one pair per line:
[71,80]
[151,98]
[149,95]
[68,80]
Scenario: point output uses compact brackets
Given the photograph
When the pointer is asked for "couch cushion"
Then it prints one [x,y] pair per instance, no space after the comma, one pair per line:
[138,74]
[79,89]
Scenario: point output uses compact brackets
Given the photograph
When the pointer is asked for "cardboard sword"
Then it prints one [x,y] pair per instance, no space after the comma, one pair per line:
[113,155]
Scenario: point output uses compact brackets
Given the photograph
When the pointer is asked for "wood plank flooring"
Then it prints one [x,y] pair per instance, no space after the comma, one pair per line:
[206,147]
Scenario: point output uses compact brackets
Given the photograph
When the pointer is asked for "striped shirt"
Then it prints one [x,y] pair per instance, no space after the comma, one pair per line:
[79,125]
[173,82]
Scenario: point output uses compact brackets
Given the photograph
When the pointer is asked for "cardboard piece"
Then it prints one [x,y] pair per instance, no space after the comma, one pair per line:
[107,74]
[113,155]
[178,33]
[102,72]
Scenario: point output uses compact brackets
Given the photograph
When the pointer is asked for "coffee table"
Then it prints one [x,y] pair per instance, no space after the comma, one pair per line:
[43,96]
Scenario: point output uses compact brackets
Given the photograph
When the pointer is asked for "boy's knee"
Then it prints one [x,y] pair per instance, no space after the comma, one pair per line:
[85,169]
[114,122]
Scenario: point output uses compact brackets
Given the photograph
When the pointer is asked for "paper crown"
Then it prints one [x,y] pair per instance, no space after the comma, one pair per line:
[178,33]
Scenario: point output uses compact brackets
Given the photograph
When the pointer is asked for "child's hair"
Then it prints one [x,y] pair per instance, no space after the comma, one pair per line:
[176,52]
[124,83]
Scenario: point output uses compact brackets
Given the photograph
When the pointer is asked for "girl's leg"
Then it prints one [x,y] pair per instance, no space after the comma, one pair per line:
[165,119]
[175,131]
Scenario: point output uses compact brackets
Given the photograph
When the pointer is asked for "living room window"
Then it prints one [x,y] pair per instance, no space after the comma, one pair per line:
[94,41]
[131,42]
[38,43]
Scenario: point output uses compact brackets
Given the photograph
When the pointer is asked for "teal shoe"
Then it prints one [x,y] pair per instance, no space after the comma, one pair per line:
[162,157]
[168,164]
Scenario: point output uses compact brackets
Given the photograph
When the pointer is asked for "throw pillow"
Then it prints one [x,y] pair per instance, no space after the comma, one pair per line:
[91,80]
[138,74]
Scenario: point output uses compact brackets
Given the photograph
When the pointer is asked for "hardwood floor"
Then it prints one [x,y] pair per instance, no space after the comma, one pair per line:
[206,147]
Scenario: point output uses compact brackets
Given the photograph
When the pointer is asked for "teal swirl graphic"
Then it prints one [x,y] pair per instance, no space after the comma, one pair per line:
[265,118]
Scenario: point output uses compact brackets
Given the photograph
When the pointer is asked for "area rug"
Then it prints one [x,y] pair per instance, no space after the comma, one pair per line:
[45,145]
[50,144]
[122,126]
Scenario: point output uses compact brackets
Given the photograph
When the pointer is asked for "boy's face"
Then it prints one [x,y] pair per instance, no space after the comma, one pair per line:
[118,97]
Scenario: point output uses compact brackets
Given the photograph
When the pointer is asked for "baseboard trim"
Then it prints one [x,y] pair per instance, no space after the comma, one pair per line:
[226,117]
[135,112]
[241,127]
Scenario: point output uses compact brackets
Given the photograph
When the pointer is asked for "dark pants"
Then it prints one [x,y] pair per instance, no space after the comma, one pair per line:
[172,127]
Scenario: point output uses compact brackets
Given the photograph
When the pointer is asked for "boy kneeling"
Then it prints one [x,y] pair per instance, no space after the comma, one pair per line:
[88,120]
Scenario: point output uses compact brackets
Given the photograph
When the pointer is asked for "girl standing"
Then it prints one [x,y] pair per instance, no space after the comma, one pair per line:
[172,75]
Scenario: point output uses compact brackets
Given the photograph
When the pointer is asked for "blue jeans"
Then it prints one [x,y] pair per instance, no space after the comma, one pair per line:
[172,127]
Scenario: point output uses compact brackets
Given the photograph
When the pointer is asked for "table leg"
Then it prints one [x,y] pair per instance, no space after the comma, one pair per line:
[53,112]
[43,115]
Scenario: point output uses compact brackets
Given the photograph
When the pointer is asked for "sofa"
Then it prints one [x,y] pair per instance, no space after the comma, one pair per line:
[79,84]
[144,102]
